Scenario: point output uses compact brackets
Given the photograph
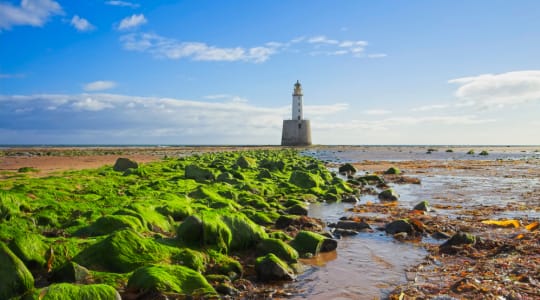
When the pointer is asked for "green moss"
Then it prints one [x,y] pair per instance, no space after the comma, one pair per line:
[393,171]
[165,278]
[305,180]
[280,235]
[245,162]
[62,291]
[154,220]
[245,233]
[15,279]
[30,248]
[484,153]
[123,251]
[223,264]
[277,247]
[308,242]
[199,174]
[9,205]
[470,152]
[270,268]
[347,168]
[191,258]
[108,224]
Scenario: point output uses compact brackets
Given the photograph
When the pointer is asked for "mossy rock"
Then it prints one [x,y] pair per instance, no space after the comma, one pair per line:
[123,251]
[285,220]
[109,224]
[460,238]
[280,235]
[347,168]
[484,153]
[271,268]
[399,226]
[272,165]
[169,278]
[191,258]
[297,209]
[61,291]
[264,174]
[122,164]
[191,231]
[371,179]
[306,180]
[71,272]
[226,177]
[307,242]
[277,247]
[199,174]
[15,278]
[245,233]
[259,217]
[422,206]
[225,265]
[393,171]
[388,195]
[9,205]
[245,162]
[205,230]
[292,202]
[470,152]
[177,210]
[152,218]
[30,248]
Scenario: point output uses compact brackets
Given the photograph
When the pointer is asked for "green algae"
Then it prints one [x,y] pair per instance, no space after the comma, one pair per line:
[169,278]
[62,291]
[15,278]
[308,242]
[104,220]
[30,248]
[278,248]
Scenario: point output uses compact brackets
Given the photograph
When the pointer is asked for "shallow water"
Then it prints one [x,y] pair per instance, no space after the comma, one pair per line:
[369,265]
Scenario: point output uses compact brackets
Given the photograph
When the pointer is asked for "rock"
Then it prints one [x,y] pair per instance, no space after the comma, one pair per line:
[15,278]
[329,245]
[484,153]
[370,179]
[388,195]
[169,278]
[393,171]
[298,210]
[122,164]
[292,202]
[278,248]
[198,173]
[30,248]
[460,238]
[311,242]
[338,232]
[347,169]
[264,173]
[352,225]
[226,177]
[245,162]
[75,291]
[349,199]
[439,235]
[284,221]
[305,180]
[399,226]
[71,272]
[109,224]
[271,268]
[423,206]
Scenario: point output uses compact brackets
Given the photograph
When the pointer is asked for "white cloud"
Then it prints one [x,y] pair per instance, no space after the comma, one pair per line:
[81,24]
[30,12]
[377,112]
[91,105]
[377,55]
[170,48]
[430,107]
[321,39]
[122,3]
[131,22]
[498,90]
[99,85]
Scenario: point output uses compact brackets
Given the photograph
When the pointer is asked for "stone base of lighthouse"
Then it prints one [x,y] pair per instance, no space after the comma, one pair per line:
[296,133]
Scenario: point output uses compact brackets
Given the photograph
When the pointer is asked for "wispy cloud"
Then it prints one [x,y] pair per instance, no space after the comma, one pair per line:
[132,21]
[321,39]
[81,24]
[430,107]
[113,115]
[99,85]
[163,47]
[122,3]
[30,12]
[489,91]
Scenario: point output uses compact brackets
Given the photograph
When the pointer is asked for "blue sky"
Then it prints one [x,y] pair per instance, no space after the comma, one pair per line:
[222,72]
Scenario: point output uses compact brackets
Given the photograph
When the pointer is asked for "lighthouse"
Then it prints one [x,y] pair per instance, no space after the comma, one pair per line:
[296,131]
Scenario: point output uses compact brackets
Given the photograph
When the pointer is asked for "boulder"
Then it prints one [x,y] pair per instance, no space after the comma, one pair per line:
[71,272]
[271,268]
[347,169]
[198,173]
[30,248]
[245,162]
[399,226]
[15,278]
[460,238]
[338,232]
[305,180]
[349,199]
[388,195]
[108,224]
[423,206]
[285,220]
[352,225]
[226,177]
[310,242]
[297,209]
[278,248]
[393,171]
[122,164]
[75,291]
[169,278]
[371,178]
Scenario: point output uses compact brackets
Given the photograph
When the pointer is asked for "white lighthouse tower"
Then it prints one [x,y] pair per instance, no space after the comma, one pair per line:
[297,131]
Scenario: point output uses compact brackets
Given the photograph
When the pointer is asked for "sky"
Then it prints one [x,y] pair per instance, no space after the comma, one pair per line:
[222,72]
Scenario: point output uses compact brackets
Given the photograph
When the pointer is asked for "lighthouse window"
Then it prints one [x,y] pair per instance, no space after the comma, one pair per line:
[299,125]
[298,117]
